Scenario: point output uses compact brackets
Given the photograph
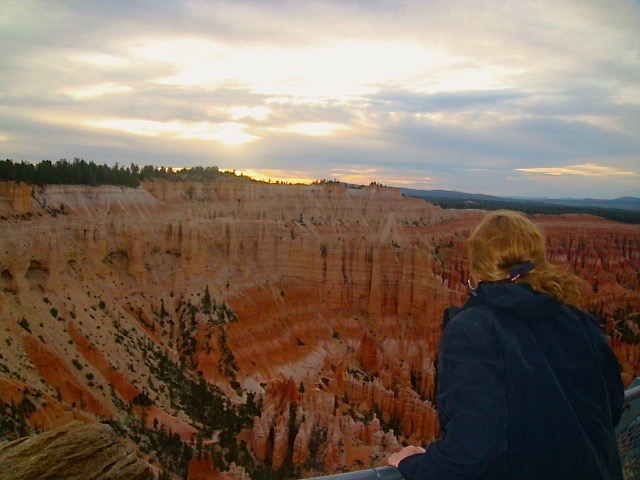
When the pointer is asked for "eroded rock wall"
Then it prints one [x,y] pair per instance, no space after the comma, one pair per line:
[323,302]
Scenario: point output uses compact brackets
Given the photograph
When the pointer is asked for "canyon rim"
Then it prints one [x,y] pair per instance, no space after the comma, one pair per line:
[237,329]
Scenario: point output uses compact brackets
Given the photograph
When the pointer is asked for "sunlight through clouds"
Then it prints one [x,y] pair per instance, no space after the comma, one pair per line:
[388,176]
[313,129]
[98,90]
[257,113]
[269,175]
[228,133]
[408,182]
[101,60]
[470,76]
[356,174]
[339,71]
[145,128]
[585,170]
[510,97]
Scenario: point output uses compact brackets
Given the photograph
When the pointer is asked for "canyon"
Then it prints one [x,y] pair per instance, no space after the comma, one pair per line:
[237,329]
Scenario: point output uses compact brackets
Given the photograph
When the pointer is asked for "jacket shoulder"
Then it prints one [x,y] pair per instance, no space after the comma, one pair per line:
[472,320]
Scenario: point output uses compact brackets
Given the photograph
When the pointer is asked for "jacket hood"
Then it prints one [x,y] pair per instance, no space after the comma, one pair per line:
[515,298]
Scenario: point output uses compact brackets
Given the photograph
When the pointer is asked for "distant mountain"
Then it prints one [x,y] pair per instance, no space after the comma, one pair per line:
[454,195]
[624,203]
[624,209]
[629,203]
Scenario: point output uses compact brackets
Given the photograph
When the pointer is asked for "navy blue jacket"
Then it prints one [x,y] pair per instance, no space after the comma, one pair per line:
[528,388]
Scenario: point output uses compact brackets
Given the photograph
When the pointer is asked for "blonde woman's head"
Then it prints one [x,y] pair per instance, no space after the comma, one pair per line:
[504,239]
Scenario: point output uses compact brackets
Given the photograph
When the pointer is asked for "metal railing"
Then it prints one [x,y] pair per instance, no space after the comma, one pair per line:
[631,406]
[630,415]
[379,473]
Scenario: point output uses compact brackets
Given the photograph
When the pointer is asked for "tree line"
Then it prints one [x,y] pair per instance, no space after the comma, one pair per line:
[81,172]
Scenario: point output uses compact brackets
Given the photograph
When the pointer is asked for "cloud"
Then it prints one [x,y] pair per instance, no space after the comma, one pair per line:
[484,95]
[314,129]
[99,90]
[449,101]
[584,170]
[228,133]
[259,113]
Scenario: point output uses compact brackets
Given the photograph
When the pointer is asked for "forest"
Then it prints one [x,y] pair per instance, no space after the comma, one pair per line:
[81,172]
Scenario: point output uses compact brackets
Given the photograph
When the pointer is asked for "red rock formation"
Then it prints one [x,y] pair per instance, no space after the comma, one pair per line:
[56,373]
[280,442]
[151,414]
[15,198]
[369,352]
[201,468]
[94,356]
[235,472]
[260,437]
[44,411]
[336,293]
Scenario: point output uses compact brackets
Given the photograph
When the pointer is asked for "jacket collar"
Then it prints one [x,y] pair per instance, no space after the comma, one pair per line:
[510,298]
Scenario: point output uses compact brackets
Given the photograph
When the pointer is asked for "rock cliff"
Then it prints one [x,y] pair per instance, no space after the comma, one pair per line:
[233,327]
[75,451]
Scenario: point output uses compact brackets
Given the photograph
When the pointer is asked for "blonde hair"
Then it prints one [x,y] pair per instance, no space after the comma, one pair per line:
[504,239]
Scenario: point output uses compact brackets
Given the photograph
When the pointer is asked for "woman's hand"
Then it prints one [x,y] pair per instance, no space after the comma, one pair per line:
[397,457]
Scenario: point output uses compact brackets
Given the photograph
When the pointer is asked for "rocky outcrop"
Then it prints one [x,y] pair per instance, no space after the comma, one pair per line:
[235,472]
[201,468]
[150,414]
[75,451]
[40,411]
[15,198]
[54,371]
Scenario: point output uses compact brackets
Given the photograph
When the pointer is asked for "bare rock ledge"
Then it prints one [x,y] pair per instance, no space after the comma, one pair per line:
[74,451]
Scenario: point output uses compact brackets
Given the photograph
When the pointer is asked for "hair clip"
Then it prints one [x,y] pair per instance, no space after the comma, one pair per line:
[473,288]
[516,271]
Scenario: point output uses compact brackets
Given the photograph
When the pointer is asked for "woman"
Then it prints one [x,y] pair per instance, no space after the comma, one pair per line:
[528,387]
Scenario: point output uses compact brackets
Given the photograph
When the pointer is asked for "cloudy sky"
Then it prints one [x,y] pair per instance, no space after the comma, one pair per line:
[530,98]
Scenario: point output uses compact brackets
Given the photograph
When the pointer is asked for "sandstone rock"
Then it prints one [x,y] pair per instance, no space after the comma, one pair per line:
[235,472]
[338,289]
[73,451]
[260,438]
[280,442]
[16,196]
[369,352]
[52,368]
[201,468]
[374,432]
[332,450]
[300,447]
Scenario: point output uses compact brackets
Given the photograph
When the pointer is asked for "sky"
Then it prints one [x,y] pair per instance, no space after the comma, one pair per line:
[533,98]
